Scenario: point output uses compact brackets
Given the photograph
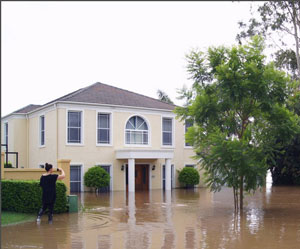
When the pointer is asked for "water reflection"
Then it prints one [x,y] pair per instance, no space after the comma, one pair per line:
[181,218]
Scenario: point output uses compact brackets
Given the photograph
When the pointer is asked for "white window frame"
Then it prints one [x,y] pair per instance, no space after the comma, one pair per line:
[149,132]
[81,130]
[186,146]
[111,171]
[5,131]
[173,132]
[110,128]
[192,165]
[40,131]
[173,180]
[81,172]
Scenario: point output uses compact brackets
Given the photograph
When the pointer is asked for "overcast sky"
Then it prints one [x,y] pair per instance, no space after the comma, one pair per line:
[49,49]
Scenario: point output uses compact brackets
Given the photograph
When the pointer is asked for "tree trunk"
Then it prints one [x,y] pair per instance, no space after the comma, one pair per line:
[241,192]
[294,17]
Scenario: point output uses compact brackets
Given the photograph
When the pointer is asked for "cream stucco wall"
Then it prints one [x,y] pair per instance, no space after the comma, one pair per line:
[41,154]
[89,153]
[17,140]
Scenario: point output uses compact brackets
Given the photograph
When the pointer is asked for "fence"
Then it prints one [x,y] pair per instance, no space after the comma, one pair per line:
[34,174]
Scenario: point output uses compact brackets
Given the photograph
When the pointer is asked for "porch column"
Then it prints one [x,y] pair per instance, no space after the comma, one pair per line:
[168,173]
[65,165]
[131,176]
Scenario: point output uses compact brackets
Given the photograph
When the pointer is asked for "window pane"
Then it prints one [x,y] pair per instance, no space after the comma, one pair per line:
[167,124]
[74,135]
[74,119]
[130,124]
[190,165]
[167,138]
[136,131]
[75,173]
[145,137]
[188,123]
[42,138]
[6,133]
[137,138]
[75,187]
[103,136]
[42,122]
[103,121]
[141,124]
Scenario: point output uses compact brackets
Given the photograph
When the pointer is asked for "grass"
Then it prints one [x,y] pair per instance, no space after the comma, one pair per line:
[11,218]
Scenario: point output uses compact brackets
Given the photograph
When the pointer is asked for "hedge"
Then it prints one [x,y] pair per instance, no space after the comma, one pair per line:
[26,196]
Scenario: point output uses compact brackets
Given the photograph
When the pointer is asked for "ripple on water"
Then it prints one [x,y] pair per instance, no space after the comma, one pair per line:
[97,220]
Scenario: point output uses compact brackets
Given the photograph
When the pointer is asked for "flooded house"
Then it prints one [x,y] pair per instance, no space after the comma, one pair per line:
[135,138]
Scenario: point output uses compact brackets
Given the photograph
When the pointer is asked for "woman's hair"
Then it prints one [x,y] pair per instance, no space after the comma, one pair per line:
[48,166]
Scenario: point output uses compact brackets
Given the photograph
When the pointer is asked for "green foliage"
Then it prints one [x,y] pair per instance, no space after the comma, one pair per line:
[26,196]
[96,177]
[239,108]
[189,176]
[8,165]
[278,20]
[285,166]
[162,96]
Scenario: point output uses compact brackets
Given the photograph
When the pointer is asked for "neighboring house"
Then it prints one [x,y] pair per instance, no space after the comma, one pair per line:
[137,139]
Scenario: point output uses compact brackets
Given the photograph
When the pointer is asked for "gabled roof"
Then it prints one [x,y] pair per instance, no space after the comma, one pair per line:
[27,109]
[100,93]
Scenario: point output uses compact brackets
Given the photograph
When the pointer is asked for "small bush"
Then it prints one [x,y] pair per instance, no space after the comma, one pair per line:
[188,176]
[96,177]
[26,196]
[8,165]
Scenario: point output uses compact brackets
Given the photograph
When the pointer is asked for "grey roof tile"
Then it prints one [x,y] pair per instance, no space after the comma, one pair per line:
[100,93]
[27,109]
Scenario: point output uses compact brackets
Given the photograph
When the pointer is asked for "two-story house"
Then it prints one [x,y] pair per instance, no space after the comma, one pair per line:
[137,139]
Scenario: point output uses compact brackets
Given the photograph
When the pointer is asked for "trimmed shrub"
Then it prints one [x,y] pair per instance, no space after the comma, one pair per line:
[26,196]
[96,177]
[188,176]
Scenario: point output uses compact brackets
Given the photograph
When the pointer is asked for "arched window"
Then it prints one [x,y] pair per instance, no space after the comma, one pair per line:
[136,131]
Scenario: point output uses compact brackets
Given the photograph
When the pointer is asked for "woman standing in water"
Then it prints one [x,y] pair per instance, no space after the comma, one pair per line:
[48,184]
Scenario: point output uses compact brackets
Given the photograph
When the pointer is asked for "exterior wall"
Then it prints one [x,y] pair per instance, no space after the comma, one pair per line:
[17,139]
[89,153]
[47,153]
[35,174]
[20,141]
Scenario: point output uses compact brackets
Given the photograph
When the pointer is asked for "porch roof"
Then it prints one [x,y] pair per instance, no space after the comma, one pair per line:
[144,154]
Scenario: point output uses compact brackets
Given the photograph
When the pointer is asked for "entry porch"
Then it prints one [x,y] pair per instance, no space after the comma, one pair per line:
[136,172]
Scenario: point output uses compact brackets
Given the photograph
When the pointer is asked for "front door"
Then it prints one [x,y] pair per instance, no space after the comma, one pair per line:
[141,177]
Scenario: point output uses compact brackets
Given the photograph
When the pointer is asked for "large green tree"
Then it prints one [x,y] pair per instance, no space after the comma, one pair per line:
[285,165]
[279,23]
[237,102]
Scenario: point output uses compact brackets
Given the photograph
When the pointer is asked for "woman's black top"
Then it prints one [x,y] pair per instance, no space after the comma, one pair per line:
[48,184]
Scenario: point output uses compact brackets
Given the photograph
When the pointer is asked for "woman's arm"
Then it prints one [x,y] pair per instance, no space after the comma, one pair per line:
[62,174]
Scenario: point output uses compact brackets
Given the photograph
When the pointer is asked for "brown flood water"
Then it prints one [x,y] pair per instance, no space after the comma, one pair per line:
[178,219]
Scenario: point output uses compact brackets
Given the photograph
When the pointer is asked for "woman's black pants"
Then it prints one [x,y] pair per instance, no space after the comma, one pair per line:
[50,207]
